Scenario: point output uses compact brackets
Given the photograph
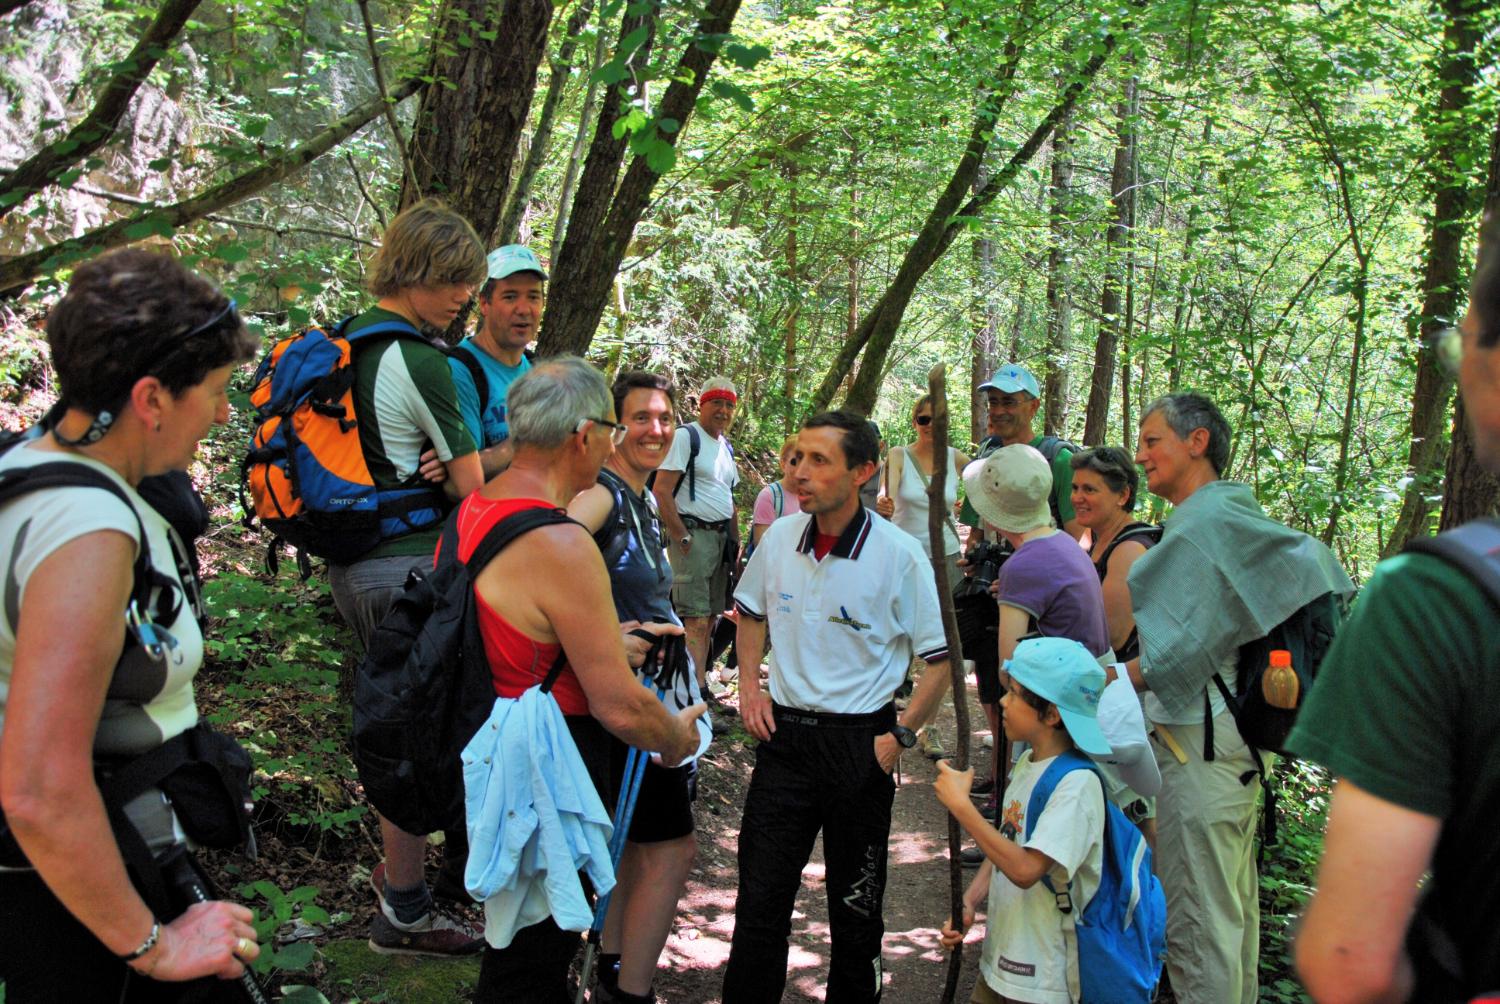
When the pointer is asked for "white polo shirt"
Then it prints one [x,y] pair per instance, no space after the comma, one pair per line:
[843,629]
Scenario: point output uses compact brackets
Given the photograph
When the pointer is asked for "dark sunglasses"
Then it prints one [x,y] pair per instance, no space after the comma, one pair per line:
[923,420]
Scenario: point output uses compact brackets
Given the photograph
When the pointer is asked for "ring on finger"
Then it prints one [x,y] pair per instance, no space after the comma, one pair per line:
[243,946]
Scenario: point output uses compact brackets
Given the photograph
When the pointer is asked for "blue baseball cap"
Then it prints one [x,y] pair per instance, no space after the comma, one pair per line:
[513,258]
[1012,378]
[1061,670]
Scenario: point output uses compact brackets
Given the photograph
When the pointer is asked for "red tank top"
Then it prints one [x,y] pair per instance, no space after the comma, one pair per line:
[517,662]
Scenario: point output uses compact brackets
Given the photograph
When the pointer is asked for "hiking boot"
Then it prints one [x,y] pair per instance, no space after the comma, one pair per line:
[971,857]
[442,932]
[932,745]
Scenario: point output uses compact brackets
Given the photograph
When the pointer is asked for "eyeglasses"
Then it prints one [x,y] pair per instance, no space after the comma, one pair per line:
[923,420]
[616,430]
[1448,347]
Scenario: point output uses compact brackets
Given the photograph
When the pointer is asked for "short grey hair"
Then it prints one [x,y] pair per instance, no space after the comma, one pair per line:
[718,383]
[1184,411]
[546,404]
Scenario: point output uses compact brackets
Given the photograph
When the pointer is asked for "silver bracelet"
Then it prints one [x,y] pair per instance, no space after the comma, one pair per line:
[146,945]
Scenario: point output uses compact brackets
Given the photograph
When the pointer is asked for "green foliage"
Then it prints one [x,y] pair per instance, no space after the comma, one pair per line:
[1288,872]
[282,909]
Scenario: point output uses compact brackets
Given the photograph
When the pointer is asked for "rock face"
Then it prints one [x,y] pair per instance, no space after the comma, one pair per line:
[58,56]
[226,90]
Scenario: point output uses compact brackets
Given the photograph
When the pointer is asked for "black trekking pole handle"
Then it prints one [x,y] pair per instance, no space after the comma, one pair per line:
[180,874]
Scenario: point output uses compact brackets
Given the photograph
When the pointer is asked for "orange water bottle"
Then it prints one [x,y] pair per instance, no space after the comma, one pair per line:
[1279,685]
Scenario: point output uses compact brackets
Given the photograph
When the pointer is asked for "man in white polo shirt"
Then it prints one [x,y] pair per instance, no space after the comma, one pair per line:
[694,490]
[846,598]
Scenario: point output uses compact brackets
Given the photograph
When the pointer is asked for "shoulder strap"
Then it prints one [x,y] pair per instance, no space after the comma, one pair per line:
[1141,533]
[476,372]
[689,474]
[778,498]
[1060,767]
[927,485]
[401,329]
[1473,549]
[508,529]
[18,481]
[614,521]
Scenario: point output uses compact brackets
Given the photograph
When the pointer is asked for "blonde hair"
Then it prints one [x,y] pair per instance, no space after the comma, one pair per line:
[788,446]
[427,244]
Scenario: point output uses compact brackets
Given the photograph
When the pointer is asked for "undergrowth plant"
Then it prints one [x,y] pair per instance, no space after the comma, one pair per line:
[1288,871]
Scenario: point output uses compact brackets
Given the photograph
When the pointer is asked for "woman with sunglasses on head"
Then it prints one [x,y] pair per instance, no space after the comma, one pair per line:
[908,471]
[90,676]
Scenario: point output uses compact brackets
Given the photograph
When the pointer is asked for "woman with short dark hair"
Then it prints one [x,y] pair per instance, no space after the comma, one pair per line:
[89,680]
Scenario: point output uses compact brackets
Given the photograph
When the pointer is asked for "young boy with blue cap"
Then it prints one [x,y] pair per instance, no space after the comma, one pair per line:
[1051,703]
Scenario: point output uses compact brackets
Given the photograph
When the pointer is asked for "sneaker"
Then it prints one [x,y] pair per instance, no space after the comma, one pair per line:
[971,857]
[442,932]
[984,787]
[932,745]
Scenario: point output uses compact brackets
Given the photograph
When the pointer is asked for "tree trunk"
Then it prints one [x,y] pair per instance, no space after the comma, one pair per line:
[794,309]
[878,329]
[588,265]
[16,273]
[1472,491]
[97,128]
[985,345]
[1122,196]
[541,139]
[580,145]
[485,56]
[1451,141]
[1059,302]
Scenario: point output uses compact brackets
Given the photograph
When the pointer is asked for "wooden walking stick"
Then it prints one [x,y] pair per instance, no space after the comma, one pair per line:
[937,515]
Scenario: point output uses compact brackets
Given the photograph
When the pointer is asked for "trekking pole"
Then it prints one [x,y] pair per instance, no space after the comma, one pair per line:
[937,506]
[183,878]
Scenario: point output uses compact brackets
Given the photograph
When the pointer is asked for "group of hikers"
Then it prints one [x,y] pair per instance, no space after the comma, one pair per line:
[1107,655]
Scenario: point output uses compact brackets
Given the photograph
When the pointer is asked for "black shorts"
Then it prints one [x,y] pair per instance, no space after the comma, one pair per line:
[664,807]
[978,626]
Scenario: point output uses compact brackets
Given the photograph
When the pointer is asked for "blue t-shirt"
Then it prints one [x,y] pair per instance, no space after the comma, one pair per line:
[489,429]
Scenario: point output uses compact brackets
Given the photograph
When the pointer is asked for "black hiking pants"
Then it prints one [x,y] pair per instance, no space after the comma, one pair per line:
[818,772]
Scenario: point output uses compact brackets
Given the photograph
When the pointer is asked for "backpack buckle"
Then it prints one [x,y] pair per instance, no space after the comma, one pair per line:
[1064,901]
[155,640]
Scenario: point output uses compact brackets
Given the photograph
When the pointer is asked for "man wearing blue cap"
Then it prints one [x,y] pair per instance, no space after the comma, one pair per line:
[510,310]
[1013,398]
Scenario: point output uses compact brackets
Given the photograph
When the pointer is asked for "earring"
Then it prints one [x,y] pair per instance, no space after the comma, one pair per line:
[158,425]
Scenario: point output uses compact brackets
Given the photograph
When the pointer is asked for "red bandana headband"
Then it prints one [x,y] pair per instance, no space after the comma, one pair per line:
[718,393]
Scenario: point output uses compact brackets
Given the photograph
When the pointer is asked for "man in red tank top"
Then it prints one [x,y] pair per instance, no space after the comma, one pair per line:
[550,589]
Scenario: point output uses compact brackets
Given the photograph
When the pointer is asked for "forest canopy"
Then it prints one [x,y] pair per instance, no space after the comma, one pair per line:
[1273,203]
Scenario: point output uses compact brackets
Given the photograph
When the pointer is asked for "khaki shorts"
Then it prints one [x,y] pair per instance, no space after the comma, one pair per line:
[700,578]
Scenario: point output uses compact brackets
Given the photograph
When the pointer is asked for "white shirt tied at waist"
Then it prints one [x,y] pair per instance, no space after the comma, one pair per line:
[843,629]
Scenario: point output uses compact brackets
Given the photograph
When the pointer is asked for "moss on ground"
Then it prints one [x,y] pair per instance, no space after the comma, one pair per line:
[353,972]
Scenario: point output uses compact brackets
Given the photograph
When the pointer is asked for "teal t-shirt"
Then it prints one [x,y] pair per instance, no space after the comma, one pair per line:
[1405,707]
[488,428]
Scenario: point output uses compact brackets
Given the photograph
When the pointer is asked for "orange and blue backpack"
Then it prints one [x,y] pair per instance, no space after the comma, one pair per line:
[308,480]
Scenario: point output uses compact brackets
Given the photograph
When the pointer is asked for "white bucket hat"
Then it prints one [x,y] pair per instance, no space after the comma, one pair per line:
[1010,488]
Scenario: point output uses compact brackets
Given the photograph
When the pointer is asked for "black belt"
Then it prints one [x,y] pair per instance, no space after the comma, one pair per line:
[878,722]
[694,523]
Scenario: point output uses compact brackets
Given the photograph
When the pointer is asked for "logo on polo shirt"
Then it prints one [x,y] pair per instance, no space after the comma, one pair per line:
[848,621]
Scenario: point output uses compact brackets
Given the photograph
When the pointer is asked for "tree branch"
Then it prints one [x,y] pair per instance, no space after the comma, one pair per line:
[390,106]
[96,129]
[16,273]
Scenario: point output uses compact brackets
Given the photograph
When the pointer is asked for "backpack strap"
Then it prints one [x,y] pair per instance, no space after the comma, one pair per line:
[471,362]
[497,538]
[19,481]
[695,446]
[1473,549]
[778,498]
[1146,534]
[1063,765]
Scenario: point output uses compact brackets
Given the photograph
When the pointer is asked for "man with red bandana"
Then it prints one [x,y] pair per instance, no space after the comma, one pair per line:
[695,491]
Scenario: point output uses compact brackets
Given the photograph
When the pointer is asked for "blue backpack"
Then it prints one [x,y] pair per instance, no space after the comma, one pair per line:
[1121,937]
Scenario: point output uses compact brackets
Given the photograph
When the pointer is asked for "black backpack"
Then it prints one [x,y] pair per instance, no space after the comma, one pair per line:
[424,687]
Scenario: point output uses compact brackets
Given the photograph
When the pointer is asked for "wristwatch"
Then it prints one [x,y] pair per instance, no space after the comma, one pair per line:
[905,736]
